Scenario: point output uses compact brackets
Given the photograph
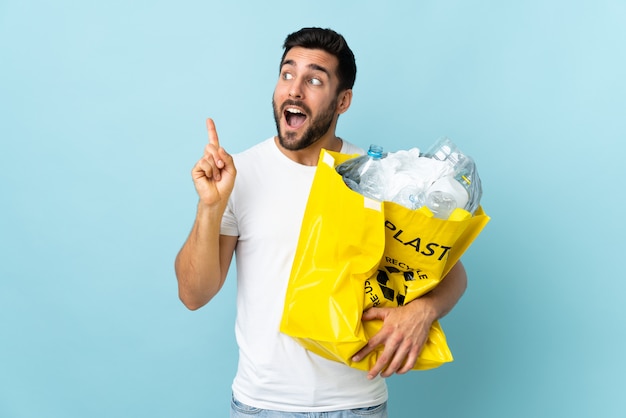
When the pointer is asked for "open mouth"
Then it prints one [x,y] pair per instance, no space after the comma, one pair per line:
[295,118]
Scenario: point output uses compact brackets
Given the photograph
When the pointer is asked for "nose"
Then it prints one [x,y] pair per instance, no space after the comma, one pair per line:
[295,90]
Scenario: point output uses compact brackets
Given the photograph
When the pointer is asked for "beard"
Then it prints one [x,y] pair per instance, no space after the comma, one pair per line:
[318,127]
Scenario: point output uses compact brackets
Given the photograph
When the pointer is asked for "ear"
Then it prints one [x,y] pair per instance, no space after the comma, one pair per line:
[344,100]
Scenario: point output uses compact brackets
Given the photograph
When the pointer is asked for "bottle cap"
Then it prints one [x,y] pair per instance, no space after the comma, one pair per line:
[375,151]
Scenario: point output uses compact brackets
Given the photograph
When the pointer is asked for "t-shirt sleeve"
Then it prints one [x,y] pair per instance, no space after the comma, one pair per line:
[229,221]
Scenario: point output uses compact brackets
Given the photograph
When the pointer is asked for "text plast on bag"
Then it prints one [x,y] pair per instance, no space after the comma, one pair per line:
[428,250]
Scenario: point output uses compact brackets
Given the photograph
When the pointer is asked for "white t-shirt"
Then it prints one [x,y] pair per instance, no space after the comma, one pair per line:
[265,211]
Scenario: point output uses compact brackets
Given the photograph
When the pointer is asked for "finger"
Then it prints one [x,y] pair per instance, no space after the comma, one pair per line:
[380,365]
[210,127]
[370,315]
[398,360]
[409,363]
[215,157]
[386,360]
[363,352]
[214,141]
[205,169]
[373,313]
[371,345]
[225,159]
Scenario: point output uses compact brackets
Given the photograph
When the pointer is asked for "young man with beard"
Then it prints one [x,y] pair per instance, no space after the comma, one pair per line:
[258,217]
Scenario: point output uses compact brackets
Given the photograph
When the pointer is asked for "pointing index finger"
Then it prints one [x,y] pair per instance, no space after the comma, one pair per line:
[210,126]
[213,140]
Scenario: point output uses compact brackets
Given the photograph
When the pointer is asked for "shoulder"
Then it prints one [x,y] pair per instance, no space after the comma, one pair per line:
[257,162]
[350,148]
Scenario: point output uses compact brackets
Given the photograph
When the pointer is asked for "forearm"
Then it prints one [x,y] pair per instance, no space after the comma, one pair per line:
[447,293]
[198,267]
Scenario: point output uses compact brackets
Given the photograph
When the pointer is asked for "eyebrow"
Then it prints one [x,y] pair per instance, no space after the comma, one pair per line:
[315,67]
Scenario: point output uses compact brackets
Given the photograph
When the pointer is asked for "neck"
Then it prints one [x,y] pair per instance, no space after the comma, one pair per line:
[310,155]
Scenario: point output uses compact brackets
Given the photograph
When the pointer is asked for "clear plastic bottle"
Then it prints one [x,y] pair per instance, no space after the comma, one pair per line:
[465,175]
[364,174]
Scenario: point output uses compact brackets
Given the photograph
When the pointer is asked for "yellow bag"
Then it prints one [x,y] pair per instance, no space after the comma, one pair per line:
[355,253]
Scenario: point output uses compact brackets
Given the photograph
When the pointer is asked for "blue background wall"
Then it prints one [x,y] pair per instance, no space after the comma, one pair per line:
[102,108]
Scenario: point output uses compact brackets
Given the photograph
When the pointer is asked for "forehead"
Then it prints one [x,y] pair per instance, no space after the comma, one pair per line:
[311,58]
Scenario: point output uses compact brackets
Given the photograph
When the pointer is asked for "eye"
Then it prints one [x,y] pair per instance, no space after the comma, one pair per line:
[315,81]
[287,76]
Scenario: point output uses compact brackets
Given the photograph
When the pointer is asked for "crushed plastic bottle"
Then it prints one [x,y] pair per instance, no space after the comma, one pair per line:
[364,174]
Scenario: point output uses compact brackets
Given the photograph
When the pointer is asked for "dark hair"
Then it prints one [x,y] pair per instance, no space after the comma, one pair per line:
[330,41]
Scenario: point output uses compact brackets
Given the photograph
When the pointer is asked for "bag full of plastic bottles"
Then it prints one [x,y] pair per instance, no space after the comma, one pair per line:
[379,230]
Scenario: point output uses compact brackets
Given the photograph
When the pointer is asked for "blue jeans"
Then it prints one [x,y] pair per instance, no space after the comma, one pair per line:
[241,410]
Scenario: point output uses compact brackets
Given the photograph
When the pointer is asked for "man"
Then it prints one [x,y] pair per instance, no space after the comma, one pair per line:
[259,217]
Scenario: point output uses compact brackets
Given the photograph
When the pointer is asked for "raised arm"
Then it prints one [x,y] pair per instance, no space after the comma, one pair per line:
[203,261]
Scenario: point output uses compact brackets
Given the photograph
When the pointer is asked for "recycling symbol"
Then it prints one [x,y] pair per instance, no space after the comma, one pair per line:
[390,293]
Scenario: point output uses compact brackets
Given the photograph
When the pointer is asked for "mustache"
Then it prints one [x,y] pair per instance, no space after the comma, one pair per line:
[296,103]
